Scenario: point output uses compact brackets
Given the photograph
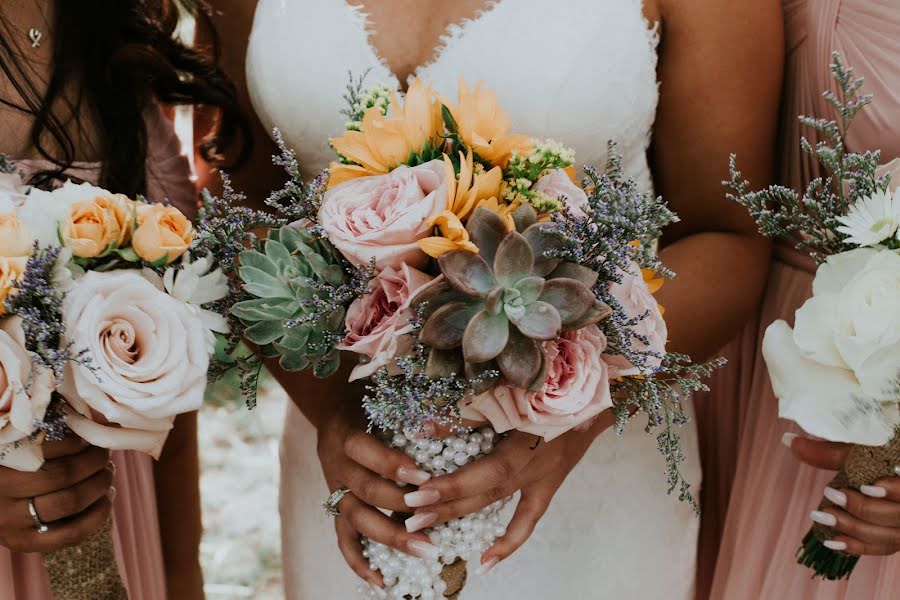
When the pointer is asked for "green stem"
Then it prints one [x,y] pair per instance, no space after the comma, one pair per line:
[826,563]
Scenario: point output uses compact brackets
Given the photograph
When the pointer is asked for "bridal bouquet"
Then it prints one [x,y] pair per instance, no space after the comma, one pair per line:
[102,333]
[471,277]
[837,372]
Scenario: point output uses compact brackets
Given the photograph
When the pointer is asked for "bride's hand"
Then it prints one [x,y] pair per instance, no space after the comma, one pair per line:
[353,458]
[520,461]
[869,518]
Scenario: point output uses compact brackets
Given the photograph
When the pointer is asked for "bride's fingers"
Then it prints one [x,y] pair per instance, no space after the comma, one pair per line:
[377,526]
[351,548]
[532,506]
[488,475]
[878,540]
[819,454]
[368,451]
[878,511]
[445,511]
[375,490]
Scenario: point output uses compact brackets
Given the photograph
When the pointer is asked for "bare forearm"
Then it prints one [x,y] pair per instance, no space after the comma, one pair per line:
[719,283]
[177,475]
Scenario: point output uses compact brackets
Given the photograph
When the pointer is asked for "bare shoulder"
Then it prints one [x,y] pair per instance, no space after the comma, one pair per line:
[757,22]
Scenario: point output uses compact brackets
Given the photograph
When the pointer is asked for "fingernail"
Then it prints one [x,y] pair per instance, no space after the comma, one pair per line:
[788,438]
[836,497]
[873,491]
[897,470]
[823,518]
[420,521]
[430,429]
[413,476]
[487,567]
[111,467]
[111,493]
[832,545]
[421,498]
[423,549]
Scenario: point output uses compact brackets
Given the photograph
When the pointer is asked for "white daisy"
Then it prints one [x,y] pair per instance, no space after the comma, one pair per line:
[872,220]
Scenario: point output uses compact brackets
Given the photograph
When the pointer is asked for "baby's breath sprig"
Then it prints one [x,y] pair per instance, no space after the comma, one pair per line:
[360,99]
[525,168]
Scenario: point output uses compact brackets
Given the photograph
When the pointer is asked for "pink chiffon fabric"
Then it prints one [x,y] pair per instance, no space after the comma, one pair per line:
[135,523]
[757,497]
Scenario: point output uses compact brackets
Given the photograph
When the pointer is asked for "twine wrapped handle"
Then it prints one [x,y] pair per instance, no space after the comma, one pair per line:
[864,466]
[87,571]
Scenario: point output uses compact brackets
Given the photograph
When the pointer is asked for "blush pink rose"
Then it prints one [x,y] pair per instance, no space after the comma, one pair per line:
[378,322]
[576,391]
[650,332]
[558,185]
[384,216]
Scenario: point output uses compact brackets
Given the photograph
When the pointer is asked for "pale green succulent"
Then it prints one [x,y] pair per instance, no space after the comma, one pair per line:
[296,269]
[497,306]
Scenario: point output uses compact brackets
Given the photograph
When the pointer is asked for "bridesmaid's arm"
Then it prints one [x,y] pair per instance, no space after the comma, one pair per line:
[177,476]
[720,70]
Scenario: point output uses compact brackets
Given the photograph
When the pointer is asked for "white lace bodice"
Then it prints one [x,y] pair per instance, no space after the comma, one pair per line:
[583,77]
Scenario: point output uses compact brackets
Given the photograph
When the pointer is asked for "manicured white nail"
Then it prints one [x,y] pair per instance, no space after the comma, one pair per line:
[423,550]
[788,438]
[823,518]
[833,545]
[897,470]
[487,567]
[413,476]
[111,493]
[420,521]
[836,497]
[873,491]
[421,498]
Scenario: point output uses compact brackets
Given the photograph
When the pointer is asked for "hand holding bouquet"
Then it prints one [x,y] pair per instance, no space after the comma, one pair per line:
[473,278]
[836,373]
[102,333]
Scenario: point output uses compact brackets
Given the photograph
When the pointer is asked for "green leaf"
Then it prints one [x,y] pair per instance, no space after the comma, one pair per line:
[530,288]
[277,253]
[485,337]
[576,304]
[293,361]
[261,284]
[486,229]
[264,332]
[544,238]
[449,122]
[514,260]
[539,321]
[295,338]
[520,362]
[258,260]
[264,309]
[445,327]
[128,254]
[468,273]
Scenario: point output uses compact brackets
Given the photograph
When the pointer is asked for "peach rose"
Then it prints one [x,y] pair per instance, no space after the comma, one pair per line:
[650,332]
[12,191]
[11,270]
[25,392]
[148,360]
[162,231]
[558,185]
[576,390]
[94,226]
[383,217]
[378,322]
[14,238]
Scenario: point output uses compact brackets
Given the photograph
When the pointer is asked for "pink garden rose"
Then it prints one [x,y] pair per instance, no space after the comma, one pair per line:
[636,298]
[384,216]
[378,322]
[558,185]
[576,391]
[25,391]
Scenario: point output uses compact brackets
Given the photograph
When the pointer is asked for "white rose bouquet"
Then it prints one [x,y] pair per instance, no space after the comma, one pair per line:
[102,333]
[837,372]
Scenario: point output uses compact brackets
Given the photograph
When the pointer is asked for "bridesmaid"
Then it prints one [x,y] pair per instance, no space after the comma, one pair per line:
[773,492]
[81,87]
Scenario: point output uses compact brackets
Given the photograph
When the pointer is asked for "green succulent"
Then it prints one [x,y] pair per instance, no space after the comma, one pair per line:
[285,318]
[493,309]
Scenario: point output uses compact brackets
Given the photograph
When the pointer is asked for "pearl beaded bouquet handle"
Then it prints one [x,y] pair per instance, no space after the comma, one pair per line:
[473,279]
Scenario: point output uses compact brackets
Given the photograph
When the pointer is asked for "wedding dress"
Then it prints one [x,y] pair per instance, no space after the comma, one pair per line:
[579,71]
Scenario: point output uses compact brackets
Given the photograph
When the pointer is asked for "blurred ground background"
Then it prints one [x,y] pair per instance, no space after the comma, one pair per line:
[239,481]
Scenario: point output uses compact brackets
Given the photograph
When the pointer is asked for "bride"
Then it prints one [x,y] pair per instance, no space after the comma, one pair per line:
[678,84]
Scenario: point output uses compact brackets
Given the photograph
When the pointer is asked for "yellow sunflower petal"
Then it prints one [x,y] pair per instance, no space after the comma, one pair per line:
[437,246]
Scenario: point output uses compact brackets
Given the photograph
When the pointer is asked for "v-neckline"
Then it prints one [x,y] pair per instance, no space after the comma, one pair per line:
[453,33]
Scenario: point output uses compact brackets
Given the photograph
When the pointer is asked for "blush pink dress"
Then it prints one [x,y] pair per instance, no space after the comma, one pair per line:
[136,527]
[757,497]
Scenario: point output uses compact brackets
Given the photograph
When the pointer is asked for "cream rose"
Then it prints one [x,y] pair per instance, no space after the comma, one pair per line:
[12,191]
[11,271]
[148,360]
[836,373]
[378,323]
[14,237]
[649,333]
[382,217]
[558,185]
[576,390]
[162,231]
[25,392]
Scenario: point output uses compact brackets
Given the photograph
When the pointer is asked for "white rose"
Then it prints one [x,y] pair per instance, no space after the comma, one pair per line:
[148,361]
[12,191]
[836,373]
[25,392]
[42,211]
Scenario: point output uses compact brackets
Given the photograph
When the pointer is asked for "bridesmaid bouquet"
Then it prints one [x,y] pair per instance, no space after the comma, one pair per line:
[101,333]
[473,278]
[837,372]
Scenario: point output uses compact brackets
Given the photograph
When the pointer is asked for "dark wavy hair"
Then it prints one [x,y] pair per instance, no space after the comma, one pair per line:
[122,57]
